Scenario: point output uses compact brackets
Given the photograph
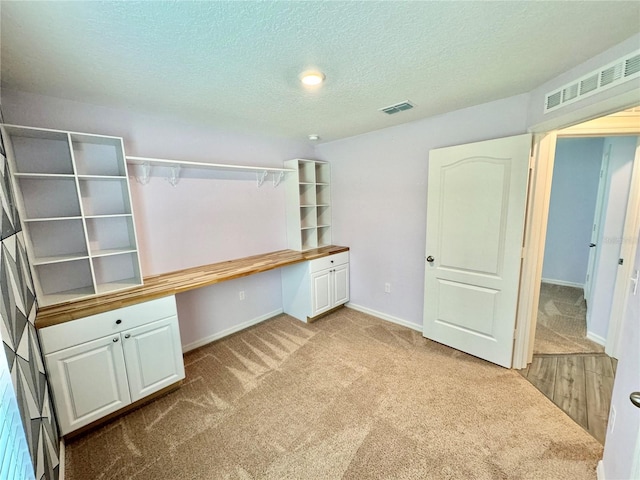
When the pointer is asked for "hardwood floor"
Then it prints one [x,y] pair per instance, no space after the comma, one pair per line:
[579,384]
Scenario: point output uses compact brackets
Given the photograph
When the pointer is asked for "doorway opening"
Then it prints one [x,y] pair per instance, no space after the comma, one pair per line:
[590,191]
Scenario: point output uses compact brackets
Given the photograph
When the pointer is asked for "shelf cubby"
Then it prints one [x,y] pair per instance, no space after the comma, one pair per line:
[49,197]
[109,196]
[39,151]
[323,216]
[115,272]
[307,195]
[308,217]
[64,281]
[110,235]
[307,171]
[323,195]
[58,240]
[323,173]
[324,236]
[309,238]
[99,156]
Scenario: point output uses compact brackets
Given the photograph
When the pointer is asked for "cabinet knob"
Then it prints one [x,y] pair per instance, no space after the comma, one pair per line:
[430,259]
[118,322]
[115,339]
[331,261]
[127,335]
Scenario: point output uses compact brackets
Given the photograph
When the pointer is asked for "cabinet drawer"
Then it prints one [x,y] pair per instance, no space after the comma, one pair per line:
[328,262]
[85,329]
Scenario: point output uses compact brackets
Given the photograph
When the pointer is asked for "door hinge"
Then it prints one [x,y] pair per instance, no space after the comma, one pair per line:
[621,261]
[522,253]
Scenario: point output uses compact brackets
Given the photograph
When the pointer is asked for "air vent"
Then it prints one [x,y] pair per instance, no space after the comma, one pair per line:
[398,107]
[610,75]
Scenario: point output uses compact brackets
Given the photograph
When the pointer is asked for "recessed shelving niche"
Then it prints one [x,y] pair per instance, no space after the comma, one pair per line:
[72,192]
[308,204]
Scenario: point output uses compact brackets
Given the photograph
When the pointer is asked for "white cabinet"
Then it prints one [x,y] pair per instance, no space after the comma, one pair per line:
[89,381]
[315,287]
[102,363]
[308,204]
[153,357]
[72,193]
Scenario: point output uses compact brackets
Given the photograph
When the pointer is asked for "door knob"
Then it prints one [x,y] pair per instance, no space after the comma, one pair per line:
[635,398]
[591,245]
[430,259]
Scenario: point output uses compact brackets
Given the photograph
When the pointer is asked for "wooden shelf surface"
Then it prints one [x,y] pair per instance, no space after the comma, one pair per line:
[162,285]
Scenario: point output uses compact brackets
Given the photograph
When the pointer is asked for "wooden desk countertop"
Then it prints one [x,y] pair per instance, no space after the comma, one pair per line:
[162,285]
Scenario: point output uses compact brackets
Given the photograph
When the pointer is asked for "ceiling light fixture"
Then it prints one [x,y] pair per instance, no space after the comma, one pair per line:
[312,78]
[314,136]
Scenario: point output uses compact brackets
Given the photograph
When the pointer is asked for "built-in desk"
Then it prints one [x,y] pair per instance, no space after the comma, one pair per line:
[162,285]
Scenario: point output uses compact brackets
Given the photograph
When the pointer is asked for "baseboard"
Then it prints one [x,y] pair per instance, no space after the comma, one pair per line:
[596,338]
[229,331]
[384,316]
[61,459]
[600,471]
[562,283]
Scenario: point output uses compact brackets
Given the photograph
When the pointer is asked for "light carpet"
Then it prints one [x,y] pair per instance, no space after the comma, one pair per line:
[348,397]
[562,322]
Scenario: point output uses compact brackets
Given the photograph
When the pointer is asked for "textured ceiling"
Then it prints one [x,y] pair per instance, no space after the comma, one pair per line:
[235,64]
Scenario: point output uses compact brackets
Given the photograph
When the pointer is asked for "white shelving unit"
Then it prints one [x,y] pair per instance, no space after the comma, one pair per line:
[308,191]
[72,192]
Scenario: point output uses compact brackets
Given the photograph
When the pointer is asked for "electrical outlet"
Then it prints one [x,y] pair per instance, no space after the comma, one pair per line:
[241,294]
[387,288]
[612,419]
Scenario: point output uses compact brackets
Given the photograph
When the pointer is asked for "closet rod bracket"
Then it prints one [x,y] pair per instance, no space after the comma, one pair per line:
[174,175]
[261,177]
[277,179]
[145,173]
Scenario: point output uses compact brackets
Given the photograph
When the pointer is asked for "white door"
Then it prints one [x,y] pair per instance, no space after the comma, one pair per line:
[475,221]
[154,357]
[320,292]
[89,381]
[595,231]
[340,285]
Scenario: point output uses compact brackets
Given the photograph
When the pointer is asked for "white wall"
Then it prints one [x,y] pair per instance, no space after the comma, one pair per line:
[616,197]
[208,217]
[576,174]
[621,440]
[379,195]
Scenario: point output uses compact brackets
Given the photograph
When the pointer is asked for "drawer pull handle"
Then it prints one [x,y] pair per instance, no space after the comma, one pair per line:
[115,340]
[118,322]
[127,335]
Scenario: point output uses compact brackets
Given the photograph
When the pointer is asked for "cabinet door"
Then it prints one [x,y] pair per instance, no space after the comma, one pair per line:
[320,292]
[340,285]
[154,357]
[89,381]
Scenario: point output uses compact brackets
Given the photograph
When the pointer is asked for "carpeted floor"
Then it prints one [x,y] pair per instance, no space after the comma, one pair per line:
[348,397]
[562,322]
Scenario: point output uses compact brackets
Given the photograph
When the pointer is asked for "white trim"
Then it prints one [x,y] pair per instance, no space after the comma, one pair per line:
[61,458]
[384,316]
[600,471]
[596,338]
[229,331]
[562,283]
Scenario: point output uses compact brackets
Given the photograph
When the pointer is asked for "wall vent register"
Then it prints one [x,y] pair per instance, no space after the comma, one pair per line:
[615,73]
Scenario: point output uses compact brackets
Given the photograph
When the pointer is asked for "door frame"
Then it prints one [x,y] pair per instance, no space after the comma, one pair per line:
[584,122]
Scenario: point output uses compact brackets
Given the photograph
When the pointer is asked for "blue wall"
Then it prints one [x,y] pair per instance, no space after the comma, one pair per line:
[576,174]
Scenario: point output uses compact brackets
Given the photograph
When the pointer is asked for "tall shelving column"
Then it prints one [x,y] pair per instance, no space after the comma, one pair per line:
[308,204]
[67,185]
